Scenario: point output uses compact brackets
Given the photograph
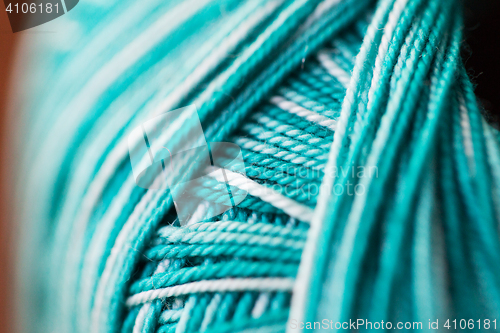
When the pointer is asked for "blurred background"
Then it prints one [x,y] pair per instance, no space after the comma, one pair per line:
[7,235]
[481,54]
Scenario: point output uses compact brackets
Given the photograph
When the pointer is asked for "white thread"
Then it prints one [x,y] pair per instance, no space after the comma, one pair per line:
[210,312]
[260,305]
[298,110]
[466,133]
[222,285]
[162,266]
[333,68]
[289,206]
[141,316]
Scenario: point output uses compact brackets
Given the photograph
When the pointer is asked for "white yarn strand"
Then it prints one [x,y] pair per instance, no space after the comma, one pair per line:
[289,206]
[222,285]
[298,110]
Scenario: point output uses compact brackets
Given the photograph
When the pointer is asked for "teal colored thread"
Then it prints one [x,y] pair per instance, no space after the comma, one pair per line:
[409,110]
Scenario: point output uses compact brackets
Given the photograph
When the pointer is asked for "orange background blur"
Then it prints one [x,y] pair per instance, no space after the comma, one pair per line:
[7,42]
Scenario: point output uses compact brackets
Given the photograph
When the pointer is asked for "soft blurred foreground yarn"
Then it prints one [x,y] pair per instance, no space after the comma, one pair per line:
[373,181]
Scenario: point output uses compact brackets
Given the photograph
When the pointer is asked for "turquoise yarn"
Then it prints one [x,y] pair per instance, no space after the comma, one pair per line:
[370,97]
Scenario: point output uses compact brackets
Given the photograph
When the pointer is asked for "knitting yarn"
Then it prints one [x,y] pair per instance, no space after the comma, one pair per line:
[368,186]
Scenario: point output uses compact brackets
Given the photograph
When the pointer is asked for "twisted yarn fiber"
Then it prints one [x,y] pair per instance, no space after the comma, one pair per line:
[373,181]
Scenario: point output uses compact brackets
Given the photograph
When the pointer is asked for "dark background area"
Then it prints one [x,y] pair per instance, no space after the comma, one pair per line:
[482,58]
[482,53]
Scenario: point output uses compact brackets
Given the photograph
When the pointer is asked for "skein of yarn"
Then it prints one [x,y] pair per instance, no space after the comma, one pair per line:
[371,184]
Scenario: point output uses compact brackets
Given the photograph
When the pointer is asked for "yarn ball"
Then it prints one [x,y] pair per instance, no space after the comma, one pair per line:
[370,188]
